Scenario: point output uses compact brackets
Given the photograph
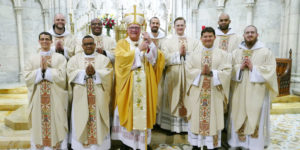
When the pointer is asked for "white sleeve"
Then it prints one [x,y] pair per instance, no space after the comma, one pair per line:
[96,78]
[137,59]
[255,76]
[110,56]
[152,54]
[48,75]
[80,77]
[175,59]
[38,77]
[66,53]
[216,78]
[238,75]
[197,80]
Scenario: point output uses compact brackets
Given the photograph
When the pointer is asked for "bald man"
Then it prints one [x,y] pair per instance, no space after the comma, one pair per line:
[226,38]
[64,42]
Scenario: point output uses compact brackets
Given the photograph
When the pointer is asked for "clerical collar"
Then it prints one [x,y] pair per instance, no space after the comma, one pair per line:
[159,36]
[181,36]
[220,33]
[45,53]
[256,46]
[207,49]
[52,32]
[133,43]
[89,56]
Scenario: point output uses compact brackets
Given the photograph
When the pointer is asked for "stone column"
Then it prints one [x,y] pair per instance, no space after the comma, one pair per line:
[18,10]
[250,4]
[293,41]
[194,23]
[46,19]
[220,7]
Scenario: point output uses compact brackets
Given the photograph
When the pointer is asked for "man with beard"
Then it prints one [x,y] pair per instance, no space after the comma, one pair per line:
[255,85]
[208,81]
[90,77]
[64,42]
[176,48]
[156,35]
[45,78]
[157,38]
[138,68]
[104,45]
[226,39]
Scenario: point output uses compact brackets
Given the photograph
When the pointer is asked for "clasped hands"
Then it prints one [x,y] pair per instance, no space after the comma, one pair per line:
[246,64]
[90,71]
[206,71]
[59,48]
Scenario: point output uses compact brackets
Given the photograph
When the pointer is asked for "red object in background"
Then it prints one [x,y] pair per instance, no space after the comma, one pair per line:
[203,27]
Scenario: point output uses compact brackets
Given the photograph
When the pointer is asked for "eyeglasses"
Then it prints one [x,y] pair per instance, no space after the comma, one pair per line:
[94,24]
[88,44]
[44,39]
[134,28]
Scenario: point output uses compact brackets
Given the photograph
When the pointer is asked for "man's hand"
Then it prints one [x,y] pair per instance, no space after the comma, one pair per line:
[44,64]
[144,46]
[249,64]
[90,71]
[146,37]
[99,50]
[59,47]
[205,70]
[182,50]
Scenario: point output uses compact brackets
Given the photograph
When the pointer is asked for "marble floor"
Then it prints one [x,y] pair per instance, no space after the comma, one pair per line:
[285,125]
[285,134]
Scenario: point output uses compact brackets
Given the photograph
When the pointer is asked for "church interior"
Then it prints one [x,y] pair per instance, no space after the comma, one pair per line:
[277,21]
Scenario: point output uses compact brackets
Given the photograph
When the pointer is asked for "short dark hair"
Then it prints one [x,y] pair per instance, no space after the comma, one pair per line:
[179,18]
[208,29]
[45,33]
[153,18]
[251,26]
[87,37]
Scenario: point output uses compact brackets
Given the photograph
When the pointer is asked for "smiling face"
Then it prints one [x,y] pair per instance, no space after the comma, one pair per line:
[96,26]
[59,21]
[208,39]
[134,31]
[179,26]
[45,42]
[88,45]
[224,22]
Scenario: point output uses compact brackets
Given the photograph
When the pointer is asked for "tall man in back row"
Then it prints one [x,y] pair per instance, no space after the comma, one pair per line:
[226,38]
[63,41]
[138,68]
[255,85]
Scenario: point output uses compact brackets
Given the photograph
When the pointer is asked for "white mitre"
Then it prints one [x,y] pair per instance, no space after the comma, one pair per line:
[134,17]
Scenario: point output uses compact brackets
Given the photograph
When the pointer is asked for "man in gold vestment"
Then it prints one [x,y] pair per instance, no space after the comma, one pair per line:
[138,68]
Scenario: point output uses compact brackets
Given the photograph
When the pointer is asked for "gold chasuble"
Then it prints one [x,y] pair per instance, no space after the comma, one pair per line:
[136,91]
